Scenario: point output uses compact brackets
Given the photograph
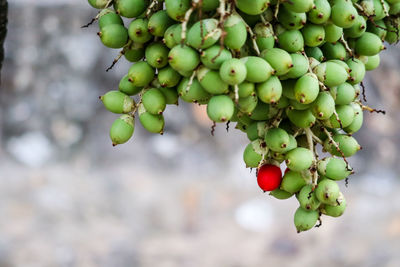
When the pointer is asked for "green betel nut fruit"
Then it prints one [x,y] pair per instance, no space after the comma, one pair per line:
[334,168]
[305,220]
[118,102]
[327,192]
[122,129]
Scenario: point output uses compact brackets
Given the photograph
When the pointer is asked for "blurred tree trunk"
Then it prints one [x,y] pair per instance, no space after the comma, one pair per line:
[3,29]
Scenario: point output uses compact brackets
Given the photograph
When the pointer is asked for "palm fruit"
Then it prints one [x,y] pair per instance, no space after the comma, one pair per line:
[372,62]
[279,59]
[99,4]
[134,52]
[209,5]
[197,34]
[298,106]
[113,36]
[306,88]
[291,41]
[301,118]
[333,168]
[293,181]
[122,129]
[213,57]
[247,104]
[331,73]
[321,13]
[170,95]
[305,220]
[379,9]
[314,35]
[299,6]
[117,102]
[176,9]
[183,58]
[256,130]
[299,159]
[233,71]
[152,123]
[291,20]
[283,102]
[300,67]
[263,112]
[315,52]
[141,74]
[358,28]
[254,153]
[130,8]
[348,145]
[159,23]
[368,44]
[346,116]
[220,108]
[356,125]
[335,211]
[280,194]
[157,55]
[357,68]
[252,7]
[307,198]
[154,101]
[168,77]
[108,17]
[125,86]
[270,91]
[264,36]
[379,30]
[344,14]
[211,81]
[235,32]
[344,94]
[334,51]
[327,192]
[246,89]
[258,70]
[277,139]
[193,93]
[324,106]
[138,31]
[332,32]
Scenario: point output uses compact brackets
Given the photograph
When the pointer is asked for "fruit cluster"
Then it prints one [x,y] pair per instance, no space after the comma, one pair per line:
[289,73]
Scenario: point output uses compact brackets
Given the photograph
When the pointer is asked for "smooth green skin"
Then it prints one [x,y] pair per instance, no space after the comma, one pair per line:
[379,11]
[341,63]
[321,13]
[264,36]
[236,32]
[331,73]
[130,8]
[357,123]
[196,92]
[170,95]
[233,71]
[368,44]
[344,14]
[346,116]
[314,52]
[122,129]
[280,194]
[177,33]
[246,89]
[141,74]
[314,35]
[357,73]
[220,108]
[394,9]
[283,102]
[288,88]
[345,94]
[154,101]
[307,198]
[209,5]
[247,104]
[183,58]
[114,36]
[298,106]
[279,59]
[299,6]
[334,51]
[292,182]
[110,17]
[306,89]
[381,33]
[252,7]
[301,118]
[99,4]
[169,39]
[373,62]
[117,102]
[211,81]
[262,112]
[212,58]
[277,139]
[332,32]
[300,67]
[292,143]
[157,55]
[256,130]
[305,220]
[324,106]
[176,9]
[126,87]
[168,77]
[358,29]
[244,118]
[347,144]
[291,41]
[197,33]
[327,192]
[138,31]
[291,20]
[252,154]
[335,211]
[135,52]
[270,91]
[159,23]
[333,168]
[258,70]
[299,159]
[152,123]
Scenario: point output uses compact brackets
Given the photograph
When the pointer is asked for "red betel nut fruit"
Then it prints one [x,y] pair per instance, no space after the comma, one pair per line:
[269,177]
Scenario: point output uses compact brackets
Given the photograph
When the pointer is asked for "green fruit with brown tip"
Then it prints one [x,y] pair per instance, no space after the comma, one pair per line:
[138,31]
[152,123]
[168,77]
[236,32]
[176,9]
[270,91]
[348,145]
[134,52]
[320,13]
[264,36]
[279,59]
[154,101]
[314,52]
[159,23]
[334,51]
[324,106]
[300,67]
[344,94]
[331,73]
[291,41]
[125,86]
[305,220]
[214,56]
[332,32]
[314,35]
[307,198]
[203,34]
[258,70]
[108,17]
[368,44]
[247,104]
[277,139]
[299,6]
[141,74]
[301,118]
[256,130]
[114,36]
[357,123]
[344,14]
[193,93]
[335,211]
[357,68]
[170,95]
[211,81]
[333,168]
[130,8]
[358,28]
[169,39]
[306,88]
[117,102]
[346,116]
[183,58]
[246,89]
[293,181]
[233,71]
[220,108]
[253,153]
[373,62]
[157,55]
[299,159]
[122,129]
[327,192]
[291,20]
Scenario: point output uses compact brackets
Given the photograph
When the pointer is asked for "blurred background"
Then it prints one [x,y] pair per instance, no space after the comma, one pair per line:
[68,198]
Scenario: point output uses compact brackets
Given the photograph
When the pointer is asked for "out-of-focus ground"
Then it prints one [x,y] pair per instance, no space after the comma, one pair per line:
[68,198]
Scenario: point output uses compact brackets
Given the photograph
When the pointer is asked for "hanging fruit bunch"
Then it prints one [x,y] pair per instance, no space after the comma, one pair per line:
[289,73]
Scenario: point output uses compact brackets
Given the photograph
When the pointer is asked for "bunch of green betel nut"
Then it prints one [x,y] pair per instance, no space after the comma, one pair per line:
[289,73]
